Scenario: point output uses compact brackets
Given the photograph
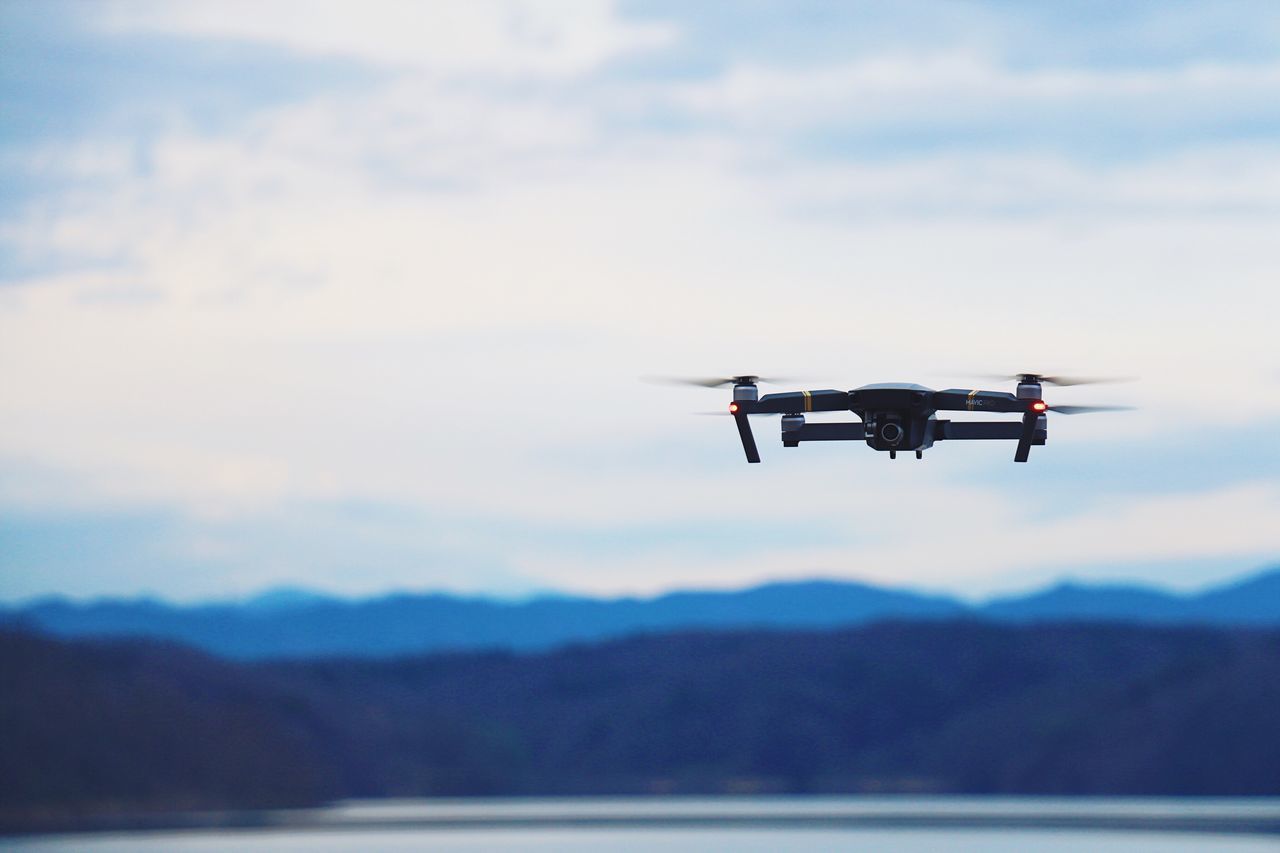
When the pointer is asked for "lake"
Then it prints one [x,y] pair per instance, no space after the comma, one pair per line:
[1102,825]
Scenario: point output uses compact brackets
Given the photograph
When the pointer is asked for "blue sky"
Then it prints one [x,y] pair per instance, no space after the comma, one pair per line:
[358,299]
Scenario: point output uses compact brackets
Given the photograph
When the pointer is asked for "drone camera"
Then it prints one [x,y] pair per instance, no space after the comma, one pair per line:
[891,432]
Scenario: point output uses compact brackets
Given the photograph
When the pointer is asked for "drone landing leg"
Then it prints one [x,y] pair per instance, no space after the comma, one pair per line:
[748,440]
[1024,439]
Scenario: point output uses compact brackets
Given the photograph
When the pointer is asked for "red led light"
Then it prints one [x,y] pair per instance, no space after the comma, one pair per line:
[733,408]
[1039,406]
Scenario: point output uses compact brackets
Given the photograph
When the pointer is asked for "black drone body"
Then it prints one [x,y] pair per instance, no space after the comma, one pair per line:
[895,417]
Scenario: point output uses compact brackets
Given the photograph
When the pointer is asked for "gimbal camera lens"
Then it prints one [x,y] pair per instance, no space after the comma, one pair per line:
[891,433]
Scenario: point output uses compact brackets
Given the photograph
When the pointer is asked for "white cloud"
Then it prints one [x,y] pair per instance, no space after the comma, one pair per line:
[940,87]
[975,546]
[1238,180]
[491,37]
[436,293]
[254,373]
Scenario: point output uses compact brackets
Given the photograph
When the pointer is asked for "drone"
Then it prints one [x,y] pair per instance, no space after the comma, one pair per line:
[896,417]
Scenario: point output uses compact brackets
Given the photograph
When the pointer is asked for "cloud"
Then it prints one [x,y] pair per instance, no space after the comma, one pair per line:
[433,290]
[728,528]
[981,545]
[313,333]
[341,549]
[949,85]
[504,38]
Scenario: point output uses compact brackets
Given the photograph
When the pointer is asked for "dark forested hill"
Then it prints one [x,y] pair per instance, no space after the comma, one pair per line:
[302,625]
[939,706]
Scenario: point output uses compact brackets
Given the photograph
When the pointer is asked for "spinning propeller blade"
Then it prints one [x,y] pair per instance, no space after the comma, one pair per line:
[1082,410]
[717,381]
[1061,381]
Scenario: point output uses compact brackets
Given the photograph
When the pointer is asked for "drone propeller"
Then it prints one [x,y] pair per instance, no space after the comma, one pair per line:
[717,381]
[1062,381]
[1083,410]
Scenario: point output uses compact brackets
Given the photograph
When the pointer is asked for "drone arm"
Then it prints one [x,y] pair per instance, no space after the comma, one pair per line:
[845,431]
[976,430]
[961,400]
[993,430]
[797,402]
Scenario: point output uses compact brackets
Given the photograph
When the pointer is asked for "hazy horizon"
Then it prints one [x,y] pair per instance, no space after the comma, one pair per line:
[294,590]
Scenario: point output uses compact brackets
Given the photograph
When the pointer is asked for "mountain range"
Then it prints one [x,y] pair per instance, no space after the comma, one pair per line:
[298,623]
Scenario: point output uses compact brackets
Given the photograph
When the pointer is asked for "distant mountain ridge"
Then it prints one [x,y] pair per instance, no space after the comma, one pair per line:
[298,623]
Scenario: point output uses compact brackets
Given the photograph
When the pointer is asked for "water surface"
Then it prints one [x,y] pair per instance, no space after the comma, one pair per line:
[924,824]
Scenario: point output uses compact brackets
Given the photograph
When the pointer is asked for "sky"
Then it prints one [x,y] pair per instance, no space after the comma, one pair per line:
[358,297]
